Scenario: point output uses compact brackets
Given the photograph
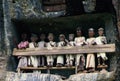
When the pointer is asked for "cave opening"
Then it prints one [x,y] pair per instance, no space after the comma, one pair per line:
[67,25]
[75,17]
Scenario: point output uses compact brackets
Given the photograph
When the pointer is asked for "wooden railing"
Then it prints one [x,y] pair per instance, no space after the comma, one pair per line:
[108,48]
[65,50]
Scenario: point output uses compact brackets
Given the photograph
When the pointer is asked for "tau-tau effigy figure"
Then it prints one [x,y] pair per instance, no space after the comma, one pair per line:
[100,40]
[70,57]
[62,43]
[50,45]
[23,45]
[90,64]
[41,44]
[33,60]
[80,41]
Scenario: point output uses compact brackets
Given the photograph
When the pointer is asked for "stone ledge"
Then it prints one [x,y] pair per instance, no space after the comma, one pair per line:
[109,76]
[11,76]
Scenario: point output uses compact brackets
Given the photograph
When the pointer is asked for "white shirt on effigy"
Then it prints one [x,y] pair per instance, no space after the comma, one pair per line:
[90,41]
[41,44]
[71,43]
[79,41]
[51,43]
[31,45]
[99,40]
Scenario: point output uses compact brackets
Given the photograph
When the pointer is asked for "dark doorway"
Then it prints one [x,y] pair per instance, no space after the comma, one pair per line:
[105,6]
[75,7]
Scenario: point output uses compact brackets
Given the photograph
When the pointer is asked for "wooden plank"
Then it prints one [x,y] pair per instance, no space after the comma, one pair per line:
[44,68]
[65,50]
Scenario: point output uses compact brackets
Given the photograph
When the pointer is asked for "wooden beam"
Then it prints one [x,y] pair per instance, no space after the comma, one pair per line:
[44,68]
[65,50]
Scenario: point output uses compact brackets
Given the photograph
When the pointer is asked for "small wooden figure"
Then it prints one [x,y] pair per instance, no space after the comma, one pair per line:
[62,43]
[90,64]
[33,60]
[80,41]
[50,45]
[42,44]
[101,40]
[70,57]
[23,45]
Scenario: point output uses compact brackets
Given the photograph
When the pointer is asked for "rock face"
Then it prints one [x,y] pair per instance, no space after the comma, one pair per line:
[30,9]
[48,77]
[32,77]
[1,30]
[3,64]
[93,77]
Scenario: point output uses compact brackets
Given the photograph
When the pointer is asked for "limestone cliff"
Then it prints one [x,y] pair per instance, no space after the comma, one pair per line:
[49,77]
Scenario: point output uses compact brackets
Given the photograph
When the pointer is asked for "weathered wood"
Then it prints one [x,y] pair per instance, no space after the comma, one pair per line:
[44,68]
[65,50]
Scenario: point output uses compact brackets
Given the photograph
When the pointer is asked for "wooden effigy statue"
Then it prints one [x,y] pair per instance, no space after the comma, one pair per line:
[33,60]
[101,40]
[90,63]
[42,44]
[50,45]
[23,45]
[80,41]
[61,43]
[70,57]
